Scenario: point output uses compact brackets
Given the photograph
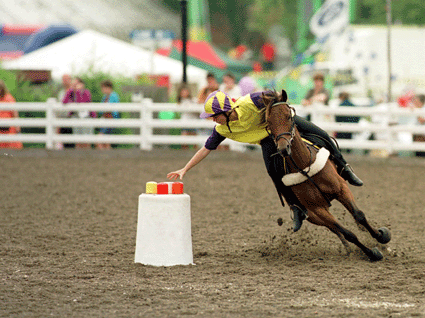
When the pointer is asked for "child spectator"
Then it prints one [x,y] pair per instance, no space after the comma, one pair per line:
[79,94]
[318,94]
[212,86]
[230,87]
[109,96]
[6,97]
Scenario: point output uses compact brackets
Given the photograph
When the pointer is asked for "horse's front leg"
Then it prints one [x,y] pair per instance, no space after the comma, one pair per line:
[382,235]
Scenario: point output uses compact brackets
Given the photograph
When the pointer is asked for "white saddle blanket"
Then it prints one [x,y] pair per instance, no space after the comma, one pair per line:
[297,177]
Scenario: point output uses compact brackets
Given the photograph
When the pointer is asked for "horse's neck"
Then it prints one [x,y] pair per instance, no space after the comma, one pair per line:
[301,155]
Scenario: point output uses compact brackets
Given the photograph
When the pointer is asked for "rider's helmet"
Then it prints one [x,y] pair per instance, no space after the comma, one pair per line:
[217,103]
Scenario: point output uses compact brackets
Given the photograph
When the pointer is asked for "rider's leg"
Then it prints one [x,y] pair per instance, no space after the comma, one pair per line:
[307,129]
[276,170]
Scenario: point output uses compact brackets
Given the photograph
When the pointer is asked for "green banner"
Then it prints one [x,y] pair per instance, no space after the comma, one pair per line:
[199,20]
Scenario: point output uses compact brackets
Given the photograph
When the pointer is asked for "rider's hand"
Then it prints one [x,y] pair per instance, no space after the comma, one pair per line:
[176,174]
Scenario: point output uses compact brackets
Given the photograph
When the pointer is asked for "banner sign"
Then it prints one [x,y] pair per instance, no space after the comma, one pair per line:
[332,17]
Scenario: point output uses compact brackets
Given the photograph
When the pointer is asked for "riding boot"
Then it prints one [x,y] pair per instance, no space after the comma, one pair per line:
[298,210]
[344,169]
[299,216]
[348,174]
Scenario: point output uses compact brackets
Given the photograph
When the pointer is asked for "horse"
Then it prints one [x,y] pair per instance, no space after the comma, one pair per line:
[313,177]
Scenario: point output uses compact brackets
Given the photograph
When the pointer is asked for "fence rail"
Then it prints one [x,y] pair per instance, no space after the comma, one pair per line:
[386,122]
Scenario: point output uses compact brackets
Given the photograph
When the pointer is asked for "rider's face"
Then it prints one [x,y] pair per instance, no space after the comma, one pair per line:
[219,119]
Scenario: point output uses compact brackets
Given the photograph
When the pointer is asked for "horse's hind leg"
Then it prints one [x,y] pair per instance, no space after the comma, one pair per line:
[382,235]
[328,220]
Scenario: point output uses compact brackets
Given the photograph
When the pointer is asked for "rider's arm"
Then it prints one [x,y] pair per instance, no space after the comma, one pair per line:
[197,158]
[212,143]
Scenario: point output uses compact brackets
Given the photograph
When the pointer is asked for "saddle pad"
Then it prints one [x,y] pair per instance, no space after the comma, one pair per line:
[297,177]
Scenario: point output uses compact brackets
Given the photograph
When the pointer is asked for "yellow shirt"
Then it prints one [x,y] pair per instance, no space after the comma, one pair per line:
[248,127]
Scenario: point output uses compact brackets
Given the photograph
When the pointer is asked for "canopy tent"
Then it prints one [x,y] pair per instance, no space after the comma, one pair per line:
[203,55]
[91,51]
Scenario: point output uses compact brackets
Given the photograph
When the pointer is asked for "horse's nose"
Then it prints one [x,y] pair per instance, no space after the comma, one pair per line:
[285,152]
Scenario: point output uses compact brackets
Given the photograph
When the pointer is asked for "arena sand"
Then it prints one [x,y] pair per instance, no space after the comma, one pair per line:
[69,221]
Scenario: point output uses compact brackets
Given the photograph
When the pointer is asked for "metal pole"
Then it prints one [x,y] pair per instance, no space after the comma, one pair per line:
[388,7]
[184,38]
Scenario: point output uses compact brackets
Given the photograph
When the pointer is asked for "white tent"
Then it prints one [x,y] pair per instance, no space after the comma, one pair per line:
[93,51]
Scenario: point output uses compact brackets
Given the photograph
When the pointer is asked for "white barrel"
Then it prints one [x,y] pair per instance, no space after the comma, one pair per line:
[164,235]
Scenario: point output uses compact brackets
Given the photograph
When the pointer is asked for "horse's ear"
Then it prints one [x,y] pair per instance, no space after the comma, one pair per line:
[284,95]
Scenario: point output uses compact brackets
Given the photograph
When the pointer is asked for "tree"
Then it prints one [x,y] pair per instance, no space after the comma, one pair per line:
[409,12]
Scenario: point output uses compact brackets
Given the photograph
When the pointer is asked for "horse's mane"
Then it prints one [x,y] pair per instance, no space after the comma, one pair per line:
[268,99]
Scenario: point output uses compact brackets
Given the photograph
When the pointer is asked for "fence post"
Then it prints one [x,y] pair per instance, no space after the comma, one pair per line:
[50,116]
[392,122]
[146,115]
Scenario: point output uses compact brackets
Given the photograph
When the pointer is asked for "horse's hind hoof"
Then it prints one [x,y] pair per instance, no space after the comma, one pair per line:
[385,236]
[376,255]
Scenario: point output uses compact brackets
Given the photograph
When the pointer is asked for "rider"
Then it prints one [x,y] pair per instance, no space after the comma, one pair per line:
[242,121]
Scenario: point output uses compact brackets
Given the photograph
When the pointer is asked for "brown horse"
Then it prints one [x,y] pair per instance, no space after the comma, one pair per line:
[315,182]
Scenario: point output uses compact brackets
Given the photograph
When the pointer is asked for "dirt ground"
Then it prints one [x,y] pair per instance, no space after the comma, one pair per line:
[68,233]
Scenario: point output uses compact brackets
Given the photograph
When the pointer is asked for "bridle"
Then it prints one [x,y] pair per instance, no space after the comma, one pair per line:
[291,132]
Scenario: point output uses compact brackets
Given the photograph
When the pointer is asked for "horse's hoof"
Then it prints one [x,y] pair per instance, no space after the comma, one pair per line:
[385,236]
[376,255]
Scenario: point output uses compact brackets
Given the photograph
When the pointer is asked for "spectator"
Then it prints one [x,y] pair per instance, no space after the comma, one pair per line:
[268,53]
[66,85]
[79,94]
[318,94]
[247,85]
[184,98]
[109,96]
[212,85]
[230,87]
[6,97]
[344,99]
[418,101]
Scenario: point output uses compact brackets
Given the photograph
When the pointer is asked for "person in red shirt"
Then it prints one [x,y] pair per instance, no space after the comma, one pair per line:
[268,53]
[6,97]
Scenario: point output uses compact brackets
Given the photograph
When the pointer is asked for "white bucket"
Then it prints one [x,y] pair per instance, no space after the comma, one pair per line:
[164,236]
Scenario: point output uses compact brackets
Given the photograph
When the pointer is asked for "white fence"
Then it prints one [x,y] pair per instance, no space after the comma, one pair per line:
[384,121]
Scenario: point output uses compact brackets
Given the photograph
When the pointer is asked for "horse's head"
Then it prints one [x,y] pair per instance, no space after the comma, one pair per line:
[279,117]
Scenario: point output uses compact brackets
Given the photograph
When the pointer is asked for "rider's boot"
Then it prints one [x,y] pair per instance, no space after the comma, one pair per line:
[348,174]
[300,214]
[298,210]
[344,169]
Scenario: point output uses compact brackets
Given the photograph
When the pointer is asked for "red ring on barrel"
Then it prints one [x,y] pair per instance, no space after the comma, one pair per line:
[162,188]
[177,188]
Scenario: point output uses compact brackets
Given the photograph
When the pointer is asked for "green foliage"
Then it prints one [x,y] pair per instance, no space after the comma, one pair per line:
[23,91]
[406,12]
[27,92]
[264,14]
